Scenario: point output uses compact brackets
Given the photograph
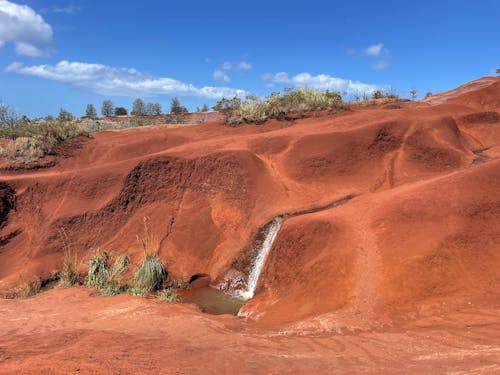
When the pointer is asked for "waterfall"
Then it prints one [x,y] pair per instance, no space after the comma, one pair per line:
[260,259]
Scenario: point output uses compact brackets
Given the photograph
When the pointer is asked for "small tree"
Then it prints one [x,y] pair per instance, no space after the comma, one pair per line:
[157,109]
[64,115]
[413,94]
[176,107]
[377,94]
[204,108]
[138,108]
[8,117]
[121,111]
[153,109]
[107,109]
[498,71]
[428,94]
[90,111]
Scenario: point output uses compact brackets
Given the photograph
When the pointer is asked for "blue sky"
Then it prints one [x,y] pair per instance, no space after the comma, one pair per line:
[67,53]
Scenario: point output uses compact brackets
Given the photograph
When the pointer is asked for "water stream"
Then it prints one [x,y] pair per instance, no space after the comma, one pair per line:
[260,260]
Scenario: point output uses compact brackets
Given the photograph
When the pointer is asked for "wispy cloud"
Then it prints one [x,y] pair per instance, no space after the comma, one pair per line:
[220,75]
[380,52]
[376,50]
[71,9]
[319,82]
[113,81]
[21,25]
[227,65]
[243,65]
[381,64]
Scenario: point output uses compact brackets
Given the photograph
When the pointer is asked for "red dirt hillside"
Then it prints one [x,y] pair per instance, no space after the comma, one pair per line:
[418,245]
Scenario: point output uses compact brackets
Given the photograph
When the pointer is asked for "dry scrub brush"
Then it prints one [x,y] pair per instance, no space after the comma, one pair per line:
[293,102]
[69,271]
[33,142]
[26,289]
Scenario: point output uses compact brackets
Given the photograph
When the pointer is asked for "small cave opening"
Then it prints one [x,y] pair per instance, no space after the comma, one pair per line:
[198,276]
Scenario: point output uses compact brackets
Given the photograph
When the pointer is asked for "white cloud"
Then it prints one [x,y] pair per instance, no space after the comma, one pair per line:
[376,50]
[243,65]
[220,75]
[28,50]
[108,80]
[21,25]
[320,82]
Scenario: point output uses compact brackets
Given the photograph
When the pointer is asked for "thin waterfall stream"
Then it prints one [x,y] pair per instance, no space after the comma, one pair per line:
[259,262]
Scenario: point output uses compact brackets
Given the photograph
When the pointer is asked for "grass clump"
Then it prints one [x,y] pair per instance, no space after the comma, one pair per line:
[168,295]
[281,106]
[28,289]
[150,274]
[69,271]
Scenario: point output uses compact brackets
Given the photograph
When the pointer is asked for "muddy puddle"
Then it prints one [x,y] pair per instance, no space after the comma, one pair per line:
[211,301]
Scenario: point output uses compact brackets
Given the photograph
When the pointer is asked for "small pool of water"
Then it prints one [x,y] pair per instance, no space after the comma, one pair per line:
[211,301]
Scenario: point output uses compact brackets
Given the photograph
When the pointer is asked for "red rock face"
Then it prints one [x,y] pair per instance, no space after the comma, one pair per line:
[420,239]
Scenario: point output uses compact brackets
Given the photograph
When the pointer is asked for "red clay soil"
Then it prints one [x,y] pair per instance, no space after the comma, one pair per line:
[403,277]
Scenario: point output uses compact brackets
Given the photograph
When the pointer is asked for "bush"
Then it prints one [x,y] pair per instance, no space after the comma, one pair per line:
[174,119]
[168,295]
[103,276]
[98,270]
[121,111]
[379,94]
[120,266]
[137,292]
[293,102]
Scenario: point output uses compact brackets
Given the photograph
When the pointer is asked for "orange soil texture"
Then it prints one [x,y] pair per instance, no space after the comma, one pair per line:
[402,277]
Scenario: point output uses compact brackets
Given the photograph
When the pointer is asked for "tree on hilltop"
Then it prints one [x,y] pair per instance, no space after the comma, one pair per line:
[138,108]
[107,108]
[90,111]
[176,107]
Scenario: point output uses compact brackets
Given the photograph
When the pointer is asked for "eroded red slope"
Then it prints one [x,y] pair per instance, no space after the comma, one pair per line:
[420,238]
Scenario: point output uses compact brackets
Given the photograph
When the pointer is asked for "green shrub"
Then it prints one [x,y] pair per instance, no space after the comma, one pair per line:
[168,295]
[137,292]
[110,290]
[99,270]
[379,94]
[103,276]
